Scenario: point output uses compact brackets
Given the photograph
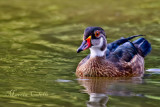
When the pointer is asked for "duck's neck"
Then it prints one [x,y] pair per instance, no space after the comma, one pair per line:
[96,52]
[99,51]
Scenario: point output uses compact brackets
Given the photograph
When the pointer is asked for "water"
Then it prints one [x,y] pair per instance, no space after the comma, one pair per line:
[38,43]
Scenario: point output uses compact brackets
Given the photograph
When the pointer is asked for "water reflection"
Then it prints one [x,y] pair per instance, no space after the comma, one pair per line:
[99,88]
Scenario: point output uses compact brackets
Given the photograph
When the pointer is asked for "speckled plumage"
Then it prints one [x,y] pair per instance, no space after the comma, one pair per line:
[122,59]
[100,67]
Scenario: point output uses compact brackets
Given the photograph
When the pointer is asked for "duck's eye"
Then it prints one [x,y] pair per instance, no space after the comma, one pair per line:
[97,33]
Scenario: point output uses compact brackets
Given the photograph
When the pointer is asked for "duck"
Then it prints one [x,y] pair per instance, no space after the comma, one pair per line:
[120,58]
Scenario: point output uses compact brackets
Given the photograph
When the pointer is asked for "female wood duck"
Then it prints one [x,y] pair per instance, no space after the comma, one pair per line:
[120,58]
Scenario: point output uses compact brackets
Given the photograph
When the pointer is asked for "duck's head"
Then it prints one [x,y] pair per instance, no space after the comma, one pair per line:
[94,39]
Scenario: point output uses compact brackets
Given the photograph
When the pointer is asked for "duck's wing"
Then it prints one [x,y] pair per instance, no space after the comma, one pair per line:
[111,47]
[125,50]
[143,46]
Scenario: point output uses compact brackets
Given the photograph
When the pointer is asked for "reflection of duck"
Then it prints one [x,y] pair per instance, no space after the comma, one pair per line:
[117,59]
[99,88]
[97,100]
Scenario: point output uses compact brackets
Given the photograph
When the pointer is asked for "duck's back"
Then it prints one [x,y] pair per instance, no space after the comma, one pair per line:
[126,51]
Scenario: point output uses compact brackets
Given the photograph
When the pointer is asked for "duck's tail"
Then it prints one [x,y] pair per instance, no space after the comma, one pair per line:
[143,46]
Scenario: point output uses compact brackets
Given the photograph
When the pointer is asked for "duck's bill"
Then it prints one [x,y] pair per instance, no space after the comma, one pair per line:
[85,45]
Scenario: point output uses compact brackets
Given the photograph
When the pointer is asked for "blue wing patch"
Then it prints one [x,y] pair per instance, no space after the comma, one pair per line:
[143,46]
[125,50]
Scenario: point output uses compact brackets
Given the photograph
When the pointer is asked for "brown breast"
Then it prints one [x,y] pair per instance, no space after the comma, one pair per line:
[101,67]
